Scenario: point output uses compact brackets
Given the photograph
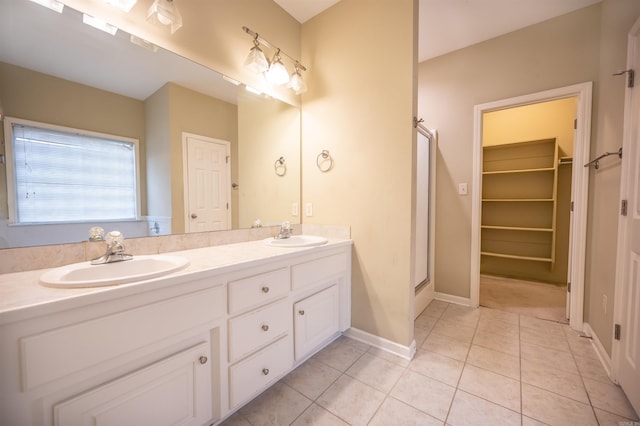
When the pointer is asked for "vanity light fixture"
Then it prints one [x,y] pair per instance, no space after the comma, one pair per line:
[165,12]
[123,5]
[54,5]
[274,71]
[99,24]
[231,80]
[277,73]
[143,43]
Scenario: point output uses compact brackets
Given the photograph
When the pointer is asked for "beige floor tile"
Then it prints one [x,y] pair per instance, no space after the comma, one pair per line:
[435,308]
[341,353]
[235,420]
[498,326]
[318,416]
[436,366]
[420,335]
[312,378]
[425,322]
[376,372]
[546,376]
[507,344]
[540,354]
[381,353]
[528,421]
[454,330]
[425,394]
[581,346]
[493,387]
[544,338]
[609,419]
[592,369]
[462,315]
[470,410]
[498,362]
[609,397]
[351,400]
[446,346]
[551,327]
[397,413]
[278,405]
[496,314]
[554,409]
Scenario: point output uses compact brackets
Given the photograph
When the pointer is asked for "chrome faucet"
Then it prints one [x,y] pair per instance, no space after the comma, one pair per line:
[285,231]
[115,250]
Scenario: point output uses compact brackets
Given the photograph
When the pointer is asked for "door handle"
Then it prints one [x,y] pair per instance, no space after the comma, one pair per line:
[194,216]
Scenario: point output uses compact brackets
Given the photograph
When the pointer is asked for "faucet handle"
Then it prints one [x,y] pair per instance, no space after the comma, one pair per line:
[115,238]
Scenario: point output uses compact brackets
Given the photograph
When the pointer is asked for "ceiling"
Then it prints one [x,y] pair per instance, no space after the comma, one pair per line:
[448,25]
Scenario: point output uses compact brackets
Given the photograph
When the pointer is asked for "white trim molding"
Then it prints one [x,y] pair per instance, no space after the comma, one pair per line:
[457,300]
[603,356]
[406,352]
[579,189]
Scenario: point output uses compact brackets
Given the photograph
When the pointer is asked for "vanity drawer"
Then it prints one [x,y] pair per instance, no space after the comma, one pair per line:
[259,289]
[57,353]
[253,374]
[257,328]
[318,270]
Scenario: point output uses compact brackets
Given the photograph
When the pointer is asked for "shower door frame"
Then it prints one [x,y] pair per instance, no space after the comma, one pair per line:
[579,190]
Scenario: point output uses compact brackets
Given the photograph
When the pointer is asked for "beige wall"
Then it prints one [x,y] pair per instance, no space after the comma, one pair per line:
[585,45]
[544,120]
[359,107]
[39,97]
[269,129]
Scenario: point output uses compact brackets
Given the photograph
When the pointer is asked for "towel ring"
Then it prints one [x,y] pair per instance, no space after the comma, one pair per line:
[280,167]
[324,161]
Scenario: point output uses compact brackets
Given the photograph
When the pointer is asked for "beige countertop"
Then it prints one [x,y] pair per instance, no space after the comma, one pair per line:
[22,296]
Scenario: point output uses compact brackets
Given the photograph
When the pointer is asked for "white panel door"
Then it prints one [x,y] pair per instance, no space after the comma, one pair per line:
[208,197]
[626,353]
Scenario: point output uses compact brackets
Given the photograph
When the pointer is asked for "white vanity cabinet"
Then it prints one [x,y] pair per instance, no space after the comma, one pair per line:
[190,349]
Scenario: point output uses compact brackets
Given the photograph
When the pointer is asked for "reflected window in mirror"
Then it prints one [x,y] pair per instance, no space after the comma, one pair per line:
[58,174]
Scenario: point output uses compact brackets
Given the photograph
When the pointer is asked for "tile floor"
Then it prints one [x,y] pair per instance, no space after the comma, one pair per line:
[472,367]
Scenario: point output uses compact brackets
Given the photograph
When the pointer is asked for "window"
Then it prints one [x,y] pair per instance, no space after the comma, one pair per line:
[57,174]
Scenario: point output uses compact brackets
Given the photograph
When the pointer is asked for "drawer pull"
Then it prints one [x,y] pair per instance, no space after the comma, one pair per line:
[265,289]
[265,327]
[203,359]
[265,371]
[301,311]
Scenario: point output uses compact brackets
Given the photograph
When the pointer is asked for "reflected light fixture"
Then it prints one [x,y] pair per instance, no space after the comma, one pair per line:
[277,73]
[296,82]
[165,12]
[99,24]
[274,71]
[123,5]
[54,5]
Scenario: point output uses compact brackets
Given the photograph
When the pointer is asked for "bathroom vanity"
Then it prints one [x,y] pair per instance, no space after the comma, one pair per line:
[189,348]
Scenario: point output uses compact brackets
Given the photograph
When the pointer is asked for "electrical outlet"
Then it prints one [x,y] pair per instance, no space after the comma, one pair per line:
[604,303]
[294,209]
[308,209]
[462,189]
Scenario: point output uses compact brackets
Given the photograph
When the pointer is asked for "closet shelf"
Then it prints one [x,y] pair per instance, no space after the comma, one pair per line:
[518,200]
[517,228]
[502,172]
[513,256]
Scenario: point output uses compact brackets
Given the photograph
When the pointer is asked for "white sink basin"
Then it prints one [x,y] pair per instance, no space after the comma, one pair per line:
[85,274]
[297,241]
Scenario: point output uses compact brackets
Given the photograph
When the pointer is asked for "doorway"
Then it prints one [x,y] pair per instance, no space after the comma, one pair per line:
[207,176]
[575,255]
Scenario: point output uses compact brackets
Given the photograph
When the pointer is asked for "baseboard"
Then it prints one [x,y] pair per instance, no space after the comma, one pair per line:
[604,357]
[464,301]
[406,352]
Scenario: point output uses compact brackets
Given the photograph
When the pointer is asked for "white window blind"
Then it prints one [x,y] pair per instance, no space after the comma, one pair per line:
[69,177]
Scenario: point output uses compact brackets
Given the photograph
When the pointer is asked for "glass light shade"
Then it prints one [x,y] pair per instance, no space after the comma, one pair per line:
[166,13]
[256,61]
[277,73]
[297,83]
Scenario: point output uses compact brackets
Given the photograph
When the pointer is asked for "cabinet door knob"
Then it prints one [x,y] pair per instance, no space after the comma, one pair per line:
[265,327]
[265,289]
[194,216]
[265,371]
[203,359]
[301,311]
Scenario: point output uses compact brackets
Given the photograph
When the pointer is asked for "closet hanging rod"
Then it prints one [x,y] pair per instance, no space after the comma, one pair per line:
[596,161]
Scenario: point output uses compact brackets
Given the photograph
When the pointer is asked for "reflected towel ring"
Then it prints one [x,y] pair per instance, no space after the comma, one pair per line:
[324,161]
[280,167]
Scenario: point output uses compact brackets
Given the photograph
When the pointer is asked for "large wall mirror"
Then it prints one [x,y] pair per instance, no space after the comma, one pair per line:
[56,70]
